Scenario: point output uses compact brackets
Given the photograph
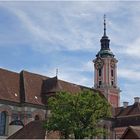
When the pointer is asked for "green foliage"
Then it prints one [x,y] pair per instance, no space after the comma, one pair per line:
[77,114]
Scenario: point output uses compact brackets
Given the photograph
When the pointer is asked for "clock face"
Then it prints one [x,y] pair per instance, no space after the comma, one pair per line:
[99,63]
[112,63]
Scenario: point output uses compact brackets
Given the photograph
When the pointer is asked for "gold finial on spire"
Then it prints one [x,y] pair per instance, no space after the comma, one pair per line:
[104,25]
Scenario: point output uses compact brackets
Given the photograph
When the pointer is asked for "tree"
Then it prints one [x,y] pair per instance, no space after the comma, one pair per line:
[77,114]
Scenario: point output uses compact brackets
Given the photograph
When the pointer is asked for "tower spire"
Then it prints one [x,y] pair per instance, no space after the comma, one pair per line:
[57,72]
[104,25]
[105,50]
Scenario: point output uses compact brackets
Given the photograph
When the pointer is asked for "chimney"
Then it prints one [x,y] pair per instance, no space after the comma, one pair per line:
[125,104]
[136,99]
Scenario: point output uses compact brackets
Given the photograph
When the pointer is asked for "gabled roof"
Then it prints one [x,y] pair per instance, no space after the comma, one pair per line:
[33,130]
[132,132]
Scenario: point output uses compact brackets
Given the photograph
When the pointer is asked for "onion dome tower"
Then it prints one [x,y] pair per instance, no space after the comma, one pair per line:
[105,71]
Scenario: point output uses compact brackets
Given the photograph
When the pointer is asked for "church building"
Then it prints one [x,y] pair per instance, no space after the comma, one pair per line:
[23,99]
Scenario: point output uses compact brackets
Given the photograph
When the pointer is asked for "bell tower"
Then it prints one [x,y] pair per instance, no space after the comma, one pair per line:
[105,71]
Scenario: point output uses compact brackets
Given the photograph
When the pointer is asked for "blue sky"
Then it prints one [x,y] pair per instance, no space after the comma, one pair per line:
[43,36]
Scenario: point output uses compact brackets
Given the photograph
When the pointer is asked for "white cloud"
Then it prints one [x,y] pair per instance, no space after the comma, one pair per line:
[130,91]
[134,48]
[77,26]
[55,28]
[129,74]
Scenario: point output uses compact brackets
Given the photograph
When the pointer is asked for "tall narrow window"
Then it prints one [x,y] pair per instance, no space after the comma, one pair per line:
[100,72]
[2,123]
[100,83]
[112,83]
[112,72]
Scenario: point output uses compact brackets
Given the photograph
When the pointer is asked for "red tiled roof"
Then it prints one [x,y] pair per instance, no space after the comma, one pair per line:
[127,116]
[9,86]
[69,87]
[33,87]
[130,110]
[132,132]
[33,130]
[30,87]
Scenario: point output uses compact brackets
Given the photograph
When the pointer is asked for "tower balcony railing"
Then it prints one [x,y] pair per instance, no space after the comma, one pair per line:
[103,85]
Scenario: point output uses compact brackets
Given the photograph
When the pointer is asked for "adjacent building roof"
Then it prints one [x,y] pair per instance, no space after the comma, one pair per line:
[132,132]
[126,116]
[33,130]
[128,111]
[127,121]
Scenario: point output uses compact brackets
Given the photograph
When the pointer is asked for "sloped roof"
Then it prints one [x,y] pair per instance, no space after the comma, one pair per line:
[127,121]
[33,130]
[27,87]
[56,85]
[33,87]
[128,111]
[132,132]
[9,86]
[124,117]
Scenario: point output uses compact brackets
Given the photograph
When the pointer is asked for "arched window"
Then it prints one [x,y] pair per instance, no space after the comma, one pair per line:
[37,117]
[2,123]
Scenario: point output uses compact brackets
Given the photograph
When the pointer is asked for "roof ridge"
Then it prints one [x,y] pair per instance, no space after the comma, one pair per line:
[135,127]
[133,106]
[57,78]
[121,109]
[25,71]
[8,70]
